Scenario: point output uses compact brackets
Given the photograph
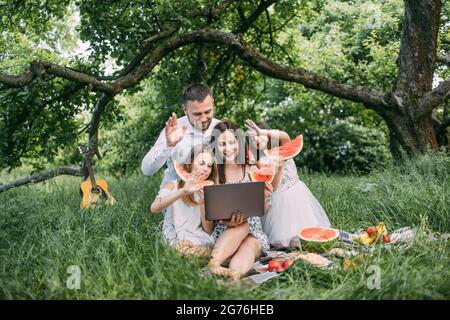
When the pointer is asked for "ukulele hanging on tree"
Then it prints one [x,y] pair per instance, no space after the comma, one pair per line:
[93,191]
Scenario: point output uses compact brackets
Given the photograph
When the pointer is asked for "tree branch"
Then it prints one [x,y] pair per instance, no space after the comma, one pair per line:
[171,28]
[263,5]
[95,121]
[38,177]
[18,81]
[434,98]
[371,98]
[39,68]
[212,13]
[243,27]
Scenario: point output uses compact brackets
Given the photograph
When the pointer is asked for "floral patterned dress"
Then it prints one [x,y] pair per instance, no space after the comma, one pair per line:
[255,225]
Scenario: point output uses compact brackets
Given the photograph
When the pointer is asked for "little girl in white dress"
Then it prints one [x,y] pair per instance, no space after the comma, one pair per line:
[293,206]
[185,227]
[182,222]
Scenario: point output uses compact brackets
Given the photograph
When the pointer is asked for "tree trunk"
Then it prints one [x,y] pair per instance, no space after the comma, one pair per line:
[411,129]
[417,48]
[408,135]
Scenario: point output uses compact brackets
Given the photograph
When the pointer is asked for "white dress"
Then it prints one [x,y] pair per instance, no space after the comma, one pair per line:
[293,207]
[183,222]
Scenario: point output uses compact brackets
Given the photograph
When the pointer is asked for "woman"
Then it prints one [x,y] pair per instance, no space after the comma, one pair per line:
[241,239]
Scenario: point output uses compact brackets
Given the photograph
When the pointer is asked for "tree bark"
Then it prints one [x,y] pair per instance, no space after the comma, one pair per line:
[410,124]
[410,136]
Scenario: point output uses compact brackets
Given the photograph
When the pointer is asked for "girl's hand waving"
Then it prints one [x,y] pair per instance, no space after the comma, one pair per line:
[254,129]
[192,184]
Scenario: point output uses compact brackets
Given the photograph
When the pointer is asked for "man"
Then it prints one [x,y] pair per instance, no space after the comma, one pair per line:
[181,135]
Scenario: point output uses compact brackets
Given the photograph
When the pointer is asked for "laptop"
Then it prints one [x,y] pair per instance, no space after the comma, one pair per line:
[224,199]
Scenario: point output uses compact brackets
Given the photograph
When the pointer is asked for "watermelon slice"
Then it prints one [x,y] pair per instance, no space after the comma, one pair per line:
[288,150]
[318,239]
[184,175]
[265,174]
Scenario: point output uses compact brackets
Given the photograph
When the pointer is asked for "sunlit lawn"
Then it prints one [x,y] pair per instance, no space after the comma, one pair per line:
[120,253]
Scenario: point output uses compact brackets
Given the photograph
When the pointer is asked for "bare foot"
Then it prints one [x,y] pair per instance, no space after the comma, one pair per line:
[227,273]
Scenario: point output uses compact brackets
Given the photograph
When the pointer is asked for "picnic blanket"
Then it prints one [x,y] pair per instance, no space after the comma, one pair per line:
[351,255]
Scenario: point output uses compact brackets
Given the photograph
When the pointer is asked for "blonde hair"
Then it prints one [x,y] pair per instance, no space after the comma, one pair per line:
[195,151]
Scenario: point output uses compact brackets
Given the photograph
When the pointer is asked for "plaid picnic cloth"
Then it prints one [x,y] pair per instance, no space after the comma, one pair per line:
[402,238]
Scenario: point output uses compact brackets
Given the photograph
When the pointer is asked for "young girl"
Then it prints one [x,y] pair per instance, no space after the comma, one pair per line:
[242,240]
[185,227]
[293,205]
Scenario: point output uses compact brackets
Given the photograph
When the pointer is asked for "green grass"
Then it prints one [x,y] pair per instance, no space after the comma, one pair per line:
[120,253]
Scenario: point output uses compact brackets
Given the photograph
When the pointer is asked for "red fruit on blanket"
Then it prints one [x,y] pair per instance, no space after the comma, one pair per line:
[279,269]
[386,238]
[372,230]
[287,263]
[274,264]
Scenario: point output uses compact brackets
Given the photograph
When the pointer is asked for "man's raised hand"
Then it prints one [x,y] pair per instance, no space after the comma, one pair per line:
[174,134]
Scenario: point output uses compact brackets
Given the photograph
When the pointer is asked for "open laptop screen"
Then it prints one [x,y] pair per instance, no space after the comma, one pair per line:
[224,199]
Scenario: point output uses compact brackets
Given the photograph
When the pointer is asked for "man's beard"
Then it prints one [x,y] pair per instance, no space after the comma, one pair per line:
[200,125]
[206,125]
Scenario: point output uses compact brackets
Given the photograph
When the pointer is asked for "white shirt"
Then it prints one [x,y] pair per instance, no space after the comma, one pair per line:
[160,153]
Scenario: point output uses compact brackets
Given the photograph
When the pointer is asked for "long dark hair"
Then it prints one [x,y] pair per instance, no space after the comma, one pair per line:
[240,136]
